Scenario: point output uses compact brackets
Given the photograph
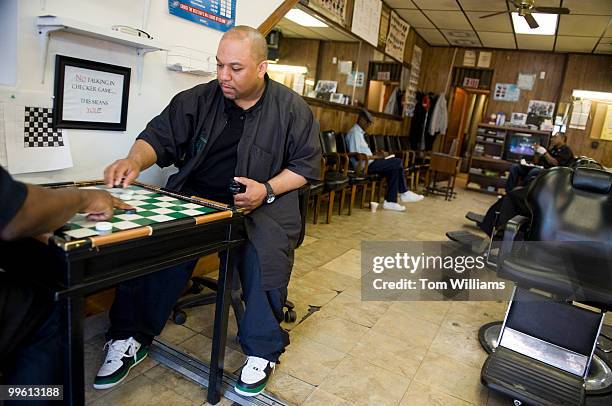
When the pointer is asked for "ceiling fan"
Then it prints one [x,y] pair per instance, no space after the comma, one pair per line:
[524,8]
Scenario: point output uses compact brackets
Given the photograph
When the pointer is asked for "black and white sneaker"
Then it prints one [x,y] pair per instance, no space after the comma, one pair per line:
[254,376]
[122,356]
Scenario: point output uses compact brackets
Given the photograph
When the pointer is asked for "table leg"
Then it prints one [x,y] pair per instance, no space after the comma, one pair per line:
[72,350]
[217,356]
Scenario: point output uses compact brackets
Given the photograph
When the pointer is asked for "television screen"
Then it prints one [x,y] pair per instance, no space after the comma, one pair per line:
[522,144]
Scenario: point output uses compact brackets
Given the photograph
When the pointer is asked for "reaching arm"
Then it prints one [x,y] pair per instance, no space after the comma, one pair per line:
[45,210]
[124,171]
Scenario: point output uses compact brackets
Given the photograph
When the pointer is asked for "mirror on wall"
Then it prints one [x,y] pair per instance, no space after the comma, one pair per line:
[317,59]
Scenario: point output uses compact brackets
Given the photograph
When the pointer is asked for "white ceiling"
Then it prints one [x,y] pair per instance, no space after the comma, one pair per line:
[587,29]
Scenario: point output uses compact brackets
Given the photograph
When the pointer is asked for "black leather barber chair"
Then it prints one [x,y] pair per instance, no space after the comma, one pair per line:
[198,283]
[551,351]
[335,169]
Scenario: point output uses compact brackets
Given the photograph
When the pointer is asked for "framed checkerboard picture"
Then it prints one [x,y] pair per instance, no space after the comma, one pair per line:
[90,95]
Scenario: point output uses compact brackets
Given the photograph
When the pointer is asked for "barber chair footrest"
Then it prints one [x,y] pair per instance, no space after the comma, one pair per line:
[530,381]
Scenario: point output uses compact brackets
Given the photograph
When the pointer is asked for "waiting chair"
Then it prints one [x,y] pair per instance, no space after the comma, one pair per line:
[335,169]
[358,175]
[545,348]
[446,165]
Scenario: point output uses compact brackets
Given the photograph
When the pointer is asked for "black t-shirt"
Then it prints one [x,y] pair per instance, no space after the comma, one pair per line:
[12,196]
[563,154]
[212,177]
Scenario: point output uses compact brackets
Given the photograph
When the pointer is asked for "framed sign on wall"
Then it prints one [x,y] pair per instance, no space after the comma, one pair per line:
[90,95]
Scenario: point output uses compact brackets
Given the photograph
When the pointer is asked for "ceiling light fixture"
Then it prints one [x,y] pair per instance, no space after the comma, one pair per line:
[547,22]
[304,19]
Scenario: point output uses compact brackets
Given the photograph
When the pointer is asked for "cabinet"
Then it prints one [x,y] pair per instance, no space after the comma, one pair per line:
[495,151]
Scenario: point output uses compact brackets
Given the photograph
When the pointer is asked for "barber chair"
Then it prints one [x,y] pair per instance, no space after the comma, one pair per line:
[335,173]
[198,283]
[551,349]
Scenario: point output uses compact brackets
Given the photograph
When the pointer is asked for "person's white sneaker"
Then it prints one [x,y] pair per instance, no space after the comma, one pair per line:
[393,206]
[122,356]
[410,197]
[254,376]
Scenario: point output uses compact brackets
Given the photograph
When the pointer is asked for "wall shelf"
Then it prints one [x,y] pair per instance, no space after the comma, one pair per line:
[49,23]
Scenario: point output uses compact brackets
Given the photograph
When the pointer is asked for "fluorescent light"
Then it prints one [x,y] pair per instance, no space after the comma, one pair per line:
[591,95]
[274,67]
[547,22]
[304,19]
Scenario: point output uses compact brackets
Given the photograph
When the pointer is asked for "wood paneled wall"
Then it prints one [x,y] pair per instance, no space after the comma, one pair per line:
[563,73]
[300,52]
[360,53]
[588,72]
[508,64]
[341,118]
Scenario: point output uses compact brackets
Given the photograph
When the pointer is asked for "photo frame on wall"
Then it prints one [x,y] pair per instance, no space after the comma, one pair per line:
[90,95]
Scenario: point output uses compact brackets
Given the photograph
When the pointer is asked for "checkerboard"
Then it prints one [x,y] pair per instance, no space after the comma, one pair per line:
[151,208]
[38,129]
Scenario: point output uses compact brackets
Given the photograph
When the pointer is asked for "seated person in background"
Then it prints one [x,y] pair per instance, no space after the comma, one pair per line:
[559,155]
[29,339]
[391,168]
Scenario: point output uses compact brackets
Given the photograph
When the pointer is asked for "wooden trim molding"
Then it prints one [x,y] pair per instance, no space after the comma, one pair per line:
[276,16]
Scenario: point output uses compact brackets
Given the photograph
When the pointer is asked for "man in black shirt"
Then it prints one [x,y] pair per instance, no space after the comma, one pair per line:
[29,347]
[559,155]
[244,127]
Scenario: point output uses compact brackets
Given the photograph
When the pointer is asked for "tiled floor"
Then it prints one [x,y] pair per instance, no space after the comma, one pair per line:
[348,352]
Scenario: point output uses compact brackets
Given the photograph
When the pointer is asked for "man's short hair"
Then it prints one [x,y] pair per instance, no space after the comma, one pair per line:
[259,46]
[365,114]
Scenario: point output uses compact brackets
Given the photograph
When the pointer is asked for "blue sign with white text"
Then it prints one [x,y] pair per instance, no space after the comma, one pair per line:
[217,14]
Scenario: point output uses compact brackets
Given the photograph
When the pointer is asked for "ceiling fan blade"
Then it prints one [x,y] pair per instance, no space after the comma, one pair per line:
[551,10]
[494,14]
[531,21]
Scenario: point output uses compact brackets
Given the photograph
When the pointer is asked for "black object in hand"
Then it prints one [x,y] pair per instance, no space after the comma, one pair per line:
[236,187]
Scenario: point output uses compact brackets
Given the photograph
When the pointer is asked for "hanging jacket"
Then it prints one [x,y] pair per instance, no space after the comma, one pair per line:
[439,117]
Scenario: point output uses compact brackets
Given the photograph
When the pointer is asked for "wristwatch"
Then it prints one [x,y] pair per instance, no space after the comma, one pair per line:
[270,196]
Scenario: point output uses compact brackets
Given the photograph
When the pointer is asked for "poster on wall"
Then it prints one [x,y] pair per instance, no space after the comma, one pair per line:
[90,95]
[413,82]
[216,14]
[31,144]
[606,130]
[506,92]
[335,10]
[366,20]
[396,40]
[525,81]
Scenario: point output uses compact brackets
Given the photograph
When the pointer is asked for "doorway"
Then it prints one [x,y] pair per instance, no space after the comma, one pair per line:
[467,109]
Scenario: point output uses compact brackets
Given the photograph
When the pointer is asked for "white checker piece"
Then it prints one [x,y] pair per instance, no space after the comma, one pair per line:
[160,218]
[125,225]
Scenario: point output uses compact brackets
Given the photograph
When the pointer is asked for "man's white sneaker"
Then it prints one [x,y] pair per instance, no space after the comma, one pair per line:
[410,197]
[393,206]
[122,356]
[254,376]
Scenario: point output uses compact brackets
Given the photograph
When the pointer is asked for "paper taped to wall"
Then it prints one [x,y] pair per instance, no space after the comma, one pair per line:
[32,144]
